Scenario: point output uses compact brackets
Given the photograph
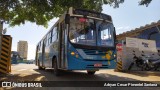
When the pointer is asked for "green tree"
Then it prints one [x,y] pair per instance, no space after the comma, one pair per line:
[42,11]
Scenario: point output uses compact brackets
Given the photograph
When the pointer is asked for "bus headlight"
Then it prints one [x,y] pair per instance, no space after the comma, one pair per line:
[75,54]
[72,53]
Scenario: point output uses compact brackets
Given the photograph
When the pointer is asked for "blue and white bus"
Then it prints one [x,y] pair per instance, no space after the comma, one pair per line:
[79,40]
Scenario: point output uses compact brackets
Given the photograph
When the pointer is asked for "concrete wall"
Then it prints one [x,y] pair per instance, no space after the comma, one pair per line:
[136,46]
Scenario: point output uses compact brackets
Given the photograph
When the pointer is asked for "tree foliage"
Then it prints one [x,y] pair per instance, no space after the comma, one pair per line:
[42,11]
[145,2]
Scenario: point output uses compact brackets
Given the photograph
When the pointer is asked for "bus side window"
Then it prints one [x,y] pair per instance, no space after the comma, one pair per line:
[53,31]
[54,34]
[39,46]
[57,31]
[45,42]
[49,38]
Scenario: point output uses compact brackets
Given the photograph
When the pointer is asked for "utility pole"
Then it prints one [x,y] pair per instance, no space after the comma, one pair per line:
[1,29]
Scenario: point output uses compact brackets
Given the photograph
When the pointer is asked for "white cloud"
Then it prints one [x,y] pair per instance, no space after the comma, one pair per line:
[127,27]
[119,28]
[122,29]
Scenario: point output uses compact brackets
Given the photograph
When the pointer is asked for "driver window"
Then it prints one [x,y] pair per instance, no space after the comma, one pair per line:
[82,31]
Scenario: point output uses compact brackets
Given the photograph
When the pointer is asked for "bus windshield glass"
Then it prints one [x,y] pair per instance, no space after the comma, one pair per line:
[91,32]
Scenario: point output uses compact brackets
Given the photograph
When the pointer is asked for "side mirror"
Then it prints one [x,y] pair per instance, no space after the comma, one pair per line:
[114,35]
[67,19]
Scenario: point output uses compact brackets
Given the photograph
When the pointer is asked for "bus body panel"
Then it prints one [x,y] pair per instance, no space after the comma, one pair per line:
[39,57]
[81,61]
[81,64]
[53,52]
[46,59]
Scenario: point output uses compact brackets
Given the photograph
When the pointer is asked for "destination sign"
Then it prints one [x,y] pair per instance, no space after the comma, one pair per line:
[92,14]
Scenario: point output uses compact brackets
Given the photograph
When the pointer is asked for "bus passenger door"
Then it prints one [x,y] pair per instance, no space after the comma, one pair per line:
[62,45]
[37,56]
[43,52]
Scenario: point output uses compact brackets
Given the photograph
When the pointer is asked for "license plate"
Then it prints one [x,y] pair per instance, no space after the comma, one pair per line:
[98,65]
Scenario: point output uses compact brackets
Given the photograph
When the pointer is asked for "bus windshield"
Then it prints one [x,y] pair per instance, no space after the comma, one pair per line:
[91,32]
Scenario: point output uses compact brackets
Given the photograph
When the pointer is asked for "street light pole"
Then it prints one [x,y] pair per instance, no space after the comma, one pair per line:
[1,28]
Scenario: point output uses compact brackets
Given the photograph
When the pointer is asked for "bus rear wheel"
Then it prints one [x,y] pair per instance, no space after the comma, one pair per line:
[55,66]
[91,72]
[40,68]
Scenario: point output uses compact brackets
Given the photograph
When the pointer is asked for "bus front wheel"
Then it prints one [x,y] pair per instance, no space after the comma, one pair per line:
[56,70]
[91,72]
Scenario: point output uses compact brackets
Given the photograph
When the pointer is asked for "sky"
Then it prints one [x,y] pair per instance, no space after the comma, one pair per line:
[125,18]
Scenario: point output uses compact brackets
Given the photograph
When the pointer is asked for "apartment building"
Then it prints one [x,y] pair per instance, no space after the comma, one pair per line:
[22,49]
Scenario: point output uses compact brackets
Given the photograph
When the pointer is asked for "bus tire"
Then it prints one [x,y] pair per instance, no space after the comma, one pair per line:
[55,66]
[91,72]
[40,68]
[43,68]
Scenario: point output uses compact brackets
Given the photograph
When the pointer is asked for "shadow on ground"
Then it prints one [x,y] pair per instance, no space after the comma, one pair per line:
[144,73]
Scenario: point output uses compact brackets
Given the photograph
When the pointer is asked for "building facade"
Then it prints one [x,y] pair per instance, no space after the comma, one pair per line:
[22,49]
[149,32]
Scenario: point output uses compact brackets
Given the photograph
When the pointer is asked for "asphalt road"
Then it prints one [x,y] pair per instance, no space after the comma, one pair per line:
[30,72]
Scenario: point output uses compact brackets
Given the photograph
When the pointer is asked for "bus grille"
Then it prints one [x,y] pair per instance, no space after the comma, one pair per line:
[94,52]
